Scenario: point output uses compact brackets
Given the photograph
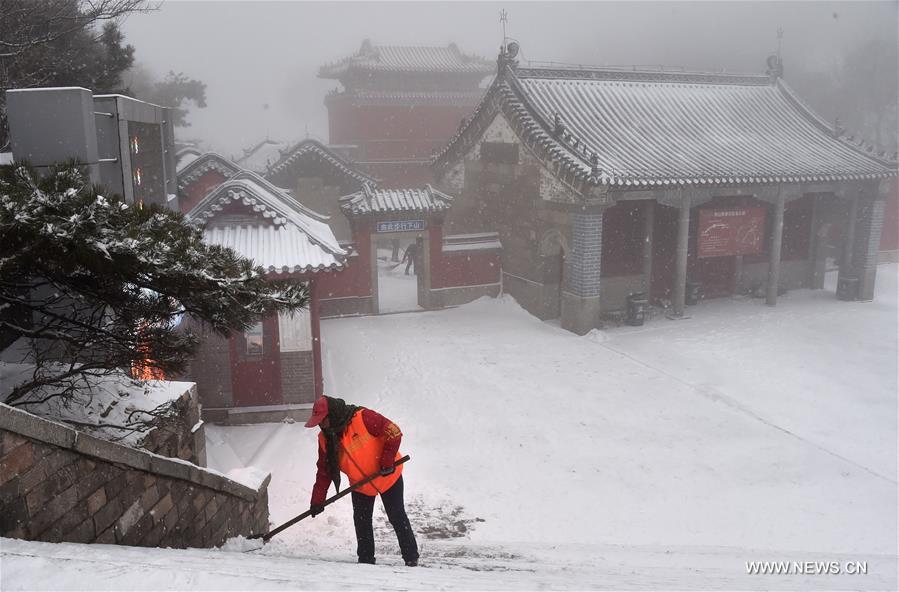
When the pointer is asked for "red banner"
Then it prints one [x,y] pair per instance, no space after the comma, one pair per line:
[731,231]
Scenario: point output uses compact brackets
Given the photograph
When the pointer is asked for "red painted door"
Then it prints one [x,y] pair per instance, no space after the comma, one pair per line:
[256,366]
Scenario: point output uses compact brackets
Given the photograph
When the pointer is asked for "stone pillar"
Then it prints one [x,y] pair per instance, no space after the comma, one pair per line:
[649,211]
[868,227]
[680,270]
[777,232]
[580,295]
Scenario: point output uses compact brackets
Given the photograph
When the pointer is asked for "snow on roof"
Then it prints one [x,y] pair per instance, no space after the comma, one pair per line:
[283,194]
[371,200]
[279,249]
[185,156]
[316,249]
[644,128]
[394,58]
[210,161]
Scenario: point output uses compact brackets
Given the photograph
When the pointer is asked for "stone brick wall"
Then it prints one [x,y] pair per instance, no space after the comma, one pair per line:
[211,367]
[57,485]
[298,376]
[867,244]
[183,438]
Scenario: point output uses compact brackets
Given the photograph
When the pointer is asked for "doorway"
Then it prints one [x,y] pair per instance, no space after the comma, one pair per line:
[399,263]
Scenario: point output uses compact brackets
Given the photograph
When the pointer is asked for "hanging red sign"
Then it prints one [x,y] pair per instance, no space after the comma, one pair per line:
[731,231]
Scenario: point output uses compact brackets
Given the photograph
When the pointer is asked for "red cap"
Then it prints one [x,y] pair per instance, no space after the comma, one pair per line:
[319,412]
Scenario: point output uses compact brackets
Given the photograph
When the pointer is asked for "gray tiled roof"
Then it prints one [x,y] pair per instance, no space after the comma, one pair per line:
[325,154]
[370,201]
[279,249]
[638,128]
[284,237]
[395,58]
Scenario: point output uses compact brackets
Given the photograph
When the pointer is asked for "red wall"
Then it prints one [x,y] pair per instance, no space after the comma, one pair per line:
[395,133]
[467,268]
[622,239]
[355,278]
[889,238]
[200,189]
[350,124]
[257,380]
[461,268]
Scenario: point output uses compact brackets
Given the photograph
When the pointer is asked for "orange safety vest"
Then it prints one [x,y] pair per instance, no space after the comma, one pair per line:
[359,456]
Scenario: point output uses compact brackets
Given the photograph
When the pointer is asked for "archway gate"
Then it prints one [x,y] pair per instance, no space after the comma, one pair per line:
[451,269]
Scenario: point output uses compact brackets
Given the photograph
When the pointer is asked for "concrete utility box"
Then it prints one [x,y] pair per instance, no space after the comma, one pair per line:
[53,125]
[127,145]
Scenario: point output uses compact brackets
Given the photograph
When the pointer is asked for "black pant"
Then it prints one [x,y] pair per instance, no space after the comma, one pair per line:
[364,505]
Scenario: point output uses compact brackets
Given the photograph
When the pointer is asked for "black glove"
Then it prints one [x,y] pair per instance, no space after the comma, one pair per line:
[316,509]
[386,471]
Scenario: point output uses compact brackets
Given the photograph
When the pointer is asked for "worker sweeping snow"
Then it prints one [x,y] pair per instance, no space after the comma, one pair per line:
[362,443]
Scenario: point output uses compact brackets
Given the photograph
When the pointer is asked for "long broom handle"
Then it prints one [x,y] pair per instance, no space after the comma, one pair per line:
[265,537]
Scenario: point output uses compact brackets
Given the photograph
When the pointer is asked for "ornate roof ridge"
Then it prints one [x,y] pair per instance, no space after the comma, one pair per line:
[203,163]
[858,144]
[288,199]
[369,200]
[641,74]
[369,57]
[290,156]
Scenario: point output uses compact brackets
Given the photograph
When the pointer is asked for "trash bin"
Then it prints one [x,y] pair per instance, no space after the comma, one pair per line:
[693,293]
[636,309]
[847,288]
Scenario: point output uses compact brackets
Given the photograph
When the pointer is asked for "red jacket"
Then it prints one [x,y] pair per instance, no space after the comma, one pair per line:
[378,426]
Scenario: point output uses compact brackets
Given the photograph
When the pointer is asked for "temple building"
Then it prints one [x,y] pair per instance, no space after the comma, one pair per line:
[273,370]
[603,183]
[399,105]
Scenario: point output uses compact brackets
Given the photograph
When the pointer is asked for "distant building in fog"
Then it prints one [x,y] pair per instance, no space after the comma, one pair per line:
[399,105]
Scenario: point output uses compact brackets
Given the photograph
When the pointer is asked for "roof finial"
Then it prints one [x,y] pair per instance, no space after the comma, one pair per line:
[503,18]
[594,165]
[780,38]
[558,125]
[838,129]
[775,61]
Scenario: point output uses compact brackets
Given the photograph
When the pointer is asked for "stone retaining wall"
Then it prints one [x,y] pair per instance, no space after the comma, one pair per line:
[57,484]
[184,438]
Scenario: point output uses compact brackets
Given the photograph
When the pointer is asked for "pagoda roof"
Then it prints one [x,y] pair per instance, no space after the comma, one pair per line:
[376,201]
[642,128]
[411,59]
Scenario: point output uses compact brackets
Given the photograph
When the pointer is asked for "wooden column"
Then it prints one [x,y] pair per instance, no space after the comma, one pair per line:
[648,225]
[815,248]
[849,240]
[680,270]
[777,232]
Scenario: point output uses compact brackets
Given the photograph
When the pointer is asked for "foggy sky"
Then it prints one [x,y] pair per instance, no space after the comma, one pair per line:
[253,54]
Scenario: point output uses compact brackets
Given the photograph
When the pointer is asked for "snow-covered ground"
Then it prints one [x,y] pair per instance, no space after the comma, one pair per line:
[397,292]
[657,457]
[106,404]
